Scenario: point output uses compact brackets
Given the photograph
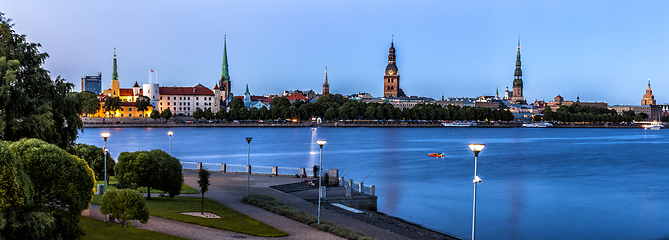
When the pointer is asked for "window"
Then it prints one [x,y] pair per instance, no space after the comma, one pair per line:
[161,97]
[129,109]
[168,103]
[188,98]
[179,103]
[188,108]
[180,98]
[179,108]
[161,103]
[130,115]
[149,91]
[161,108]
[121,109]
[188,104]
[197,98]
[175,109]
[168,98]
[121,115]
[175,103]
[197,104]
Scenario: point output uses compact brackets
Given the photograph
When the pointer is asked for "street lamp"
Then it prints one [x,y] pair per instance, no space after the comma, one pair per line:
[170,133]
[476,148]
[248,163]
[320,176]
[105,135]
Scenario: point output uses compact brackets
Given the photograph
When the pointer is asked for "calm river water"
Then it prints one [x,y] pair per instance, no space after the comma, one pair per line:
[537,183]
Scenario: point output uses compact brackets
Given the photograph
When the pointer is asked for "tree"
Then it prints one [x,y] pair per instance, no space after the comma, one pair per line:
[90,103]
[63,186]
[150,169]
[331,113]
[203,180]
[629,113]
[236,103]
[222,113]
[142,103]
[112,104]
[640,117]
[166,114]
[198,113]
[15,186]
[208,114]
[32,104]
[125,205]
[155,115]
[263,113]
[95,159]
[280,102]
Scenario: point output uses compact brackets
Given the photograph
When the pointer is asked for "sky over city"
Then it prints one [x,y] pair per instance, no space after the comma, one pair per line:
[598,50]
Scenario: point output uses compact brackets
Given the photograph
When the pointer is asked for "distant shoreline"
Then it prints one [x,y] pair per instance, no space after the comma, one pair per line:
[119,123]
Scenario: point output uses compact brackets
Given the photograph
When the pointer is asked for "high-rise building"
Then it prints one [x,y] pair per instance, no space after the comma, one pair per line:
[648,98]
[224,82]
[92,83]
[391,77]
[326,86]
[518,80]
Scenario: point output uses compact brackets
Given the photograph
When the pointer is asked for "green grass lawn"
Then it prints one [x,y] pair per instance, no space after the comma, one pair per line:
[230,220]
[96,229]
[185,189]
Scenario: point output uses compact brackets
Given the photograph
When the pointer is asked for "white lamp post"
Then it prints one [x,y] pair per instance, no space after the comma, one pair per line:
[105,135]
[248,163]
[170,133]
[476,148]
[320,177]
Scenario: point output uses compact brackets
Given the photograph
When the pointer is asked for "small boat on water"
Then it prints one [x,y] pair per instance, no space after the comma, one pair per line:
[537,125]
[436,154]
[653,125]
[459,124]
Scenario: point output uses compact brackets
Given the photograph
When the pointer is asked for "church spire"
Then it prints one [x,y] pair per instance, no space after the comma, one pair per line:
[114,72]
[247,89]
[225,76]
[326,86]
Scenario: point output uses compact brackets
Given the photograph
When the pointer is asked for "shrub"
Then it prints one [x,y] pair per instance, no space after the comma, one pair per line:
[125,205]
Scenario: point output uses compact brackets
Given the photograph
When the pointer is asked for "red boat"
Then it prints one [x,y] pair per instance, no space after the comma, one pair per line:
[436,154]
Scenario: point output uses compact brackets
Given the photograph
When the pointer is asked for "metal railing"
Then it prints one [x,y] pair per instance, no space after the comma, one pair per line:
[211,166]
[189,165]
[235,168]
[288,171]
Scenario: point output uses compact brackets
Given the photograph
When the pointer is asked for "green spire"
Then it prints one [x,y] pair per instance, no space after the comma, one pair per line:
[224,70]
[114,73]
[518,73]
[247,89]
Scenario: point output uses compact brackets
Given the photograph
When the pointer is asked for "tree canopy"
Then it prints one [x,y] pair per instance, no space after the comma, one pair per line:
[152,169]
[142,103]
[32,104]
[62,184]
[125,205]
[96,160]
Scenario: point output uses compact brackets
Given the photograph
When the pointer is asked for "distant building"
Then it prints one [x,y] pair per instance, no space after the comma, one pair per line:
[92,83]
[648,98]
[391,77]
[654,112]
[455,101]
[224,82]
[326,86]
[408,102]
[517,96]
[559,101]
[184,100]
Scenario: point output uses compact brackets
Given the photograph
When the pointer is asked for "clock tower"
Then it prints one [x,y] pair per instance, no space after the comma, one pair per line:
[391,77]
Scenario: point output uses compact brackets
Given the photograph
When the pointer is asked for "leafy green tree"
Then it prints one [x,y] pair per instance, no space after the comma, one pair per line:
[280,102]
[142,103]
[155,115]
[331,113]
[221,114]
[89,102]
[63,185]
[263,113]
[32,104]
[112,104]
[125,205]
[236,104]
[253,113]
[640,117]
[151,169]
[207,114]
[243,113]
[203,181]
[15,186]
[166,114]
[198,113]
[95,159]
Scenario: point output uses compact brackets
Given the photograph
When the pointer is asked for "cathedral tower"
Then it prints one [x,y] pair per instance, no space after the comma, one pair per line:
[224,83]
[518,79]
[115,85]
[391,78]
[648,98]
[326,86]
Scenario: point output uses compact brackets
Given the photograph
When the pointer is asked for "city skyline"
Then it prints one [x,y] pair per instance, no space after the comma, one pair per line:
[599,51]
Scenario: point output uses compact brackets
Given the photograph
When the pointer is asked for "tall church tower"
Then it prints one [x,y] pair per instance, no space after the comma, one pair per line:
[115,85]
[648,98]
[518,79]
[326,86]
[225,76]
[391,78]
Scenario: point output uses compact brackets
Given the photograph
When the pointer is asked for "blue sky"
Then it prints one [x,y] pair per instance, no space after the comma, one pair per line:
[600,50]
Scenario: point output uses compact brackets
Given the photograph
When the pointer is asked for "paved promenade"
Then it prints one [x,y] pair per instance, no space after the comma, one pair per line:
[228,189]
